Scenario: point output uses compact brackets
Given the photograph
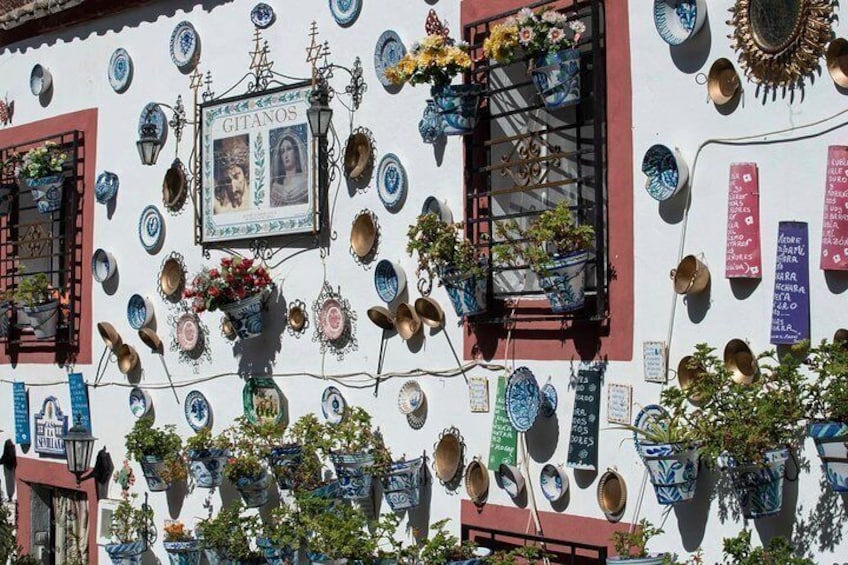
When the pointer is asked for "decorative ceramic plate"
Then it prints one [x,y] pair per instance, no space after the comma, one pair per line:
[137,314]
[120,70]
[523,399]
[679,20]
[433,205]
[388,53]
[549,400]
[188,332]
[197,411]
[647,418]
[333,405]
[332,318]
[345,12]
[263,401]
[139,402]
[106,187]
[154,114]
[417,419]
[391,181]
[262,15]
[151,228]
[410,397]
[185,45]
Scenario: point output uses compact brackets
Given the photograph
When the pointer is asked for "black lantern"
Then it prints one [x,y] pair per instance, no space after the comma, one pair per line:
[319,113]
[79,444]
[148,144]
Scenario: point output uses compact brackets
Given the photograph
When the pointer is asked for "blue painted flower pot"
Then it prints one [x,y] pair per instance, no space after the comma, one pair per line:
[245,316]
[672,468]
[275,555]
[402,485]
[556,77]
[254,490]
[831,440]
[152,469]
[564,281]
[207,466]
[432,126]
[183,552]
[125,553]
[284,461]
[457,104]
[467,293]
[760,487]
[47,192]
[353,471]
[328,491]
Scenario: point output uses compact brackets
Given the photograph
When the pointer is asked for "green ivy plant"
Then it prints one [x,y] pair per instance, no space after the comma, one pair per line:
[248,449]
[442,546]
[779,551]
[310,435]
[828,394]
[33,290]
[145,440]
[441,249]
[203,440]
[130,522]
[355,434]
[289,524]
[633,545]
[554,232]
[528,555]
[230,533]
[338,530]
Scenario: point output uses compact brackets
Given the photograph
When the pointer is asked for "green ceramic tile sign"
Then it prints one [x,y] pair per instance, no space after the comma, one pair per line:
[504,436]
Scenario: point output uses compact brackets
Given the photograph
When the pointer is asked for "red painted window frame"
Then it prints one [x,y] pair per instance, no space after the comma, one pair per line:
[613,338]
[86,122]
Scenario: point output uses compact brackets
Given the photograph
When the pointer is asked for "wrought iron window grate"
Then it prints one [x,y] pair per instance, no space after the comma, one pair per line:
[522,159]
[33,242]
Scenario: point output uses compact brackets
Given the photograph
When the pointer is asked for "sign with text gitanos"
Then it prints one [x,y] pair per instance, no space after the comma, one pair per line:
[50,427]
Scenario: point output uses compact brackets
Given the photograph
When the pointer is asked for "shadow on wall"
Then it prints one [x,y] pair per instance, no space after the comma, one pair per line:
[257,355]
[692,516]
[690,56]
[821,527]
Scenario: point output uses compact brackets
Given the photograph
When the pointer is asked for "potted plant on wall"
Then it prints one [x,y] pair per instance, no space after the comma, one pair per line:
[41,169]
[436,60]
[338,533]
[158,451]
[556,248]
[549,39]
[296,461]
[226,537]
[750,428]
[828,410]
[443,547]
[39,304]
[443,253]
[738,551]
[246,467]
[631,546]
[238,288]
[286,531]
[357,452]
[130,529]
[206,455]
[182,548]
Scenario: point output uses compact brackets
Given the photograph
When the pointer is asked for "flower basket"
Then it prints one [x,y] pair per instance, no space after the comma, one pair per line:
[275,555]
[672,468]
[556,77]
[126,553]
[564,281]
[43,319]
[207,466]
[457,105]
[283,461]
[46,192]
[831,440]
[254,490]
[183,552]
[467,293]
[153,470]
[402,485]
[760,486]
[353,471]
[245,316]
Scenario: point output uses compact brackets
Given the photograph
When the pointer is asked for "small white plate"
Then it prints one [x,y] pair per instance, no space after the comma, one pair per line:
[151,229]
[392,183]
[185,46]
[198,413]
[120,70]
[333,405]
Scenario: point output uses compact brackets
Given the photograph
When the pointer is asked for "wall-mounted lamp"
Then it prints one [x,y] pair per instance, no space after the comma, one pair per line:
[319,112]
[79,444]
[148,145]
[150,139]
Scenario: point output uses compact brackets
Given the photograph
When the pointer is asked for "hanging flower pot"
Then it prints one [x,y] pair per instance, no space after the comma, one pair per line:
[672,468]
[831,440]
[254,490]
[154,469]
[245,316]
[457,105]
[207,466]
[760,486]
[556,77]
[402,484]
[467,292]
[43,319]
[126,553]
[46,192]
[183,552]
[353,471]
[275,555]
[284,461]
[431,126]
[564,281]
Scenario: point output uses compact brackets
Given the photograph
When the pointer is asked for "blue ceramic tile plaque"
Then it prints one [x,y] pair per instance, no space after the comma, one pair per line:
[22,436]
[79,400]
[51,425]
[790,315]
[585,419]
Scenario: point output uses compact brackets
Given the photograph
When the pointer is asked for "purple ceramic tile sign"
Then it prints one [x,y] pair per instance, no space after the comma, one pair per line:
[790,315]
[834,246]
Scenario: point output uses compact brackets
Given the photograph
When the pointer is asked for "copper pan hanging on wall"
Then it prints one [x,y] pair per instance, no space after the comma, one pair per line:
[358,155]
[741,362]
[837,61]
[722,82]
[691,276]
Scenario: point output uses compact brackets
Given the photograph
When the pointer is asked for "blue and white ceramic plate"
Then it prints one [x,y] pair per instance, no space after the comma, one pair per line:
[391,181]
[139,401]
[197,411]
[678,20]
[345,12]
[333,405]
[388,53]
[647,418]
[120,70]
[138,311]
[185,46]
[523,399]
[389,280]
[665,170]
[262,15]
[106,187]
[549,400]
[151,228]
[153,114]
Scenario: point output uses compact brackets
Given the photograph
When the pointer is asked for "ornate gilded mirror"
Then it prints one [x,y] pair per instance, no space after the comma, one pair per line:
[780,41]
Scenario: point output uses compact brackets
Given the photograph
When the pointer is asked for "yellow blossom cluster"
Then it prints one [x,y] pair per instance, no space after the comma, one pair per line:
[436,60]
[501,43]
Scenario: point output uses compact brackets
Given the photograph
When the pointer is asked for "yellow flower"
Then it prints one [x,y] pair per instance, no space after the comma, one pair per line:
[425,59]
[432,42]
[408,64]
[501,43]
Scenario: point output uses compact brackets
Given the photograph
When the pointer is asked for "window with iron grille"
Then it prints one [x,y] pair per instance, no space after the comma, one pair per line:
[33,242]
[523,159]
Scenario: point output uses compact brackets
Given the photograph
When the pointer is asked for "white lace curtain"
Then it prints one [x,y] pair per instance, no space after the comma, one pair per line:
[70,512]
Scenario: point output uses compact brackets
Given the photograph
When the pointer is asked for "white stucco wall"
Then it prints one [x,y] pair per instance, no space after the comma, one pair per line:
[669,107]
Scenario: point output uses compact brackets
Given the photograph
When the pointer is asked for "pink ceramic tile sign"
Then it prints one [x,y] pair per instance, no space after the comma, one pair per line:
[743,259]
[834,248]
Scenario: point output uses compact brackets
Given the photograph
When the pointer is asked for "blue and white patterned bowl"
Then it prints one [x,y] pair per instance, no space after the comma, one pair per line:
[666,171]
[511,478]
[387,53]
[198,413]
[139,311]
[410,397]
[106,187]
[140,402]
[40,80]
[554,482]
[389,280]
[523,399]
[433,205]
[391,182]
[151,229]
[679,20]
[103,265]
[262,15]
[120,70]
[549,400]
[345,12]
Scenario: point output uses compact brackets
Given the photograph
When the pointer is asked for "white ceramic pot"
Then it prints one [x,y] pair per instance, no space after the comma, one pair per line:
[511,479]
[103,265]
[40,80]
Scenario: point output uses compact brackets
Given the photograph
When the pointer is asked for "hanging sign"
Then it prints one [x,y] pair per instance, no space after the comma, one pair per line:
[619,402]
[743,258]
[502,448]
[653,359]
[79,401]
[478,394]
[21,401]
[790,317]
[50,427]
[834,246]
[583,444]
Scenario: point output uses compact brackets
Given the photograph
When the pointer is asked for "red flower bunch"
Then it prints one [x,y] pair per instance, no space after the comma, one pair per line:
[237,278]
